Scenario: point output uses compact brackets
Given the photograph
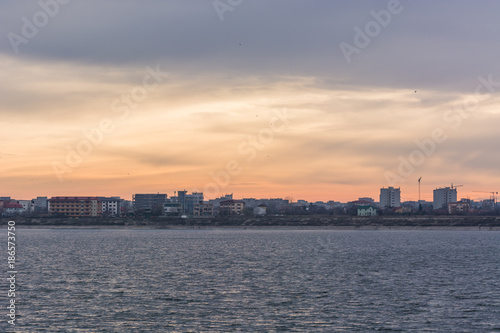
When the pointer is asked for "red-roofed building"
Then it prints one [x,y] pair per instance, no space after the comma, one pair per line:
[12,208]
[360,203]
[76,206]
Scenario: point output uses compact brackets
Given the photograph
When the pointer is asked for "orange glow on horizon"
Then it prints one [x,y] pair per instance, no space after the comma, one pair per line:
[287,137]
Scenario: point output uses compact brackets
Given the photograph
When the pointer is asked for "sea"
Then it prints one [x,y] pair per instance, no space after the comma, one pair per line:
[254,280]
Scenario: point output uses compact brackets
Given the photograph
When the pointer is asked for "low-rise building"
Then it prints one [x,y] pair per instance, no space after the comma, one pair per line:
[402,210]
[28,206]
[203,209]
[359,203]
[488,204]
[172,209]
[76,206]
[367,211]
[231,207]
[12,208]
[460,207]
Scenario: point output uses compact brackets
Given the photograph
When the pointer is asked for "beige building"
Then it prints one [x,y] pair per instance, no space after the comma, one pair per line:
[231,207]
[76,206]
[203,209]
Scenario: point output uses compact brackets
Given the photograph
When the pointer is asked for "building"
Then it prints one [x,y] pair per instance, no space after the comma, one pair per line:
[443,196]
[251,202]
[28,206]
[126,207]
[111,206]
[231,207]
[359,203]
[203,209]
[12,208]
[196,197]
[390,197]
[188,201]
[191,200]
[402,210]
[41,204]
[181,198]
[172,209]
[260,210]
[76,206]
[2,203]
[367,211]
[146,202]
[488,204]
[460,207]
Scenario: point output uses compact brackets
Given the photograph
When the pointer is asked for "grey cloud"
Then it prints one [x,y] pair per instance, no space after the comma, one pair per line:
[429,44]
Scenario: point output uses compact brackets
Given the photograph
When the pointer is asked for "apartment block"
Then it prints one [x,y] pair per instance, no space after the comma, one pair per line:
[390,197]
[76,206]
[443,196]
[148,201]
[203,209]
[110,206]
[460,207]
[231,207]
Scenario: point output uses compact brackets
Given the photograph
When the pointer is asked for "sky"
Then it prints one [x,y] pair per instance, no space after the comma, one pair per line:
[312,100]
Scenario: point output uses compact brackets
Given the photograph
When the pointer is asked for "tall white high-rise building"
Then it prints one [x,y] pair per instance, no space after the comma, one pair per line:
[390,197]
[443,196]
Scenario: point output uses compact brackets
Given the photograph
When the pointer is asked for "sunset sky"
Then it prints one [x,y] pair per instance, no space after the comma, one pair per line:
[257,98]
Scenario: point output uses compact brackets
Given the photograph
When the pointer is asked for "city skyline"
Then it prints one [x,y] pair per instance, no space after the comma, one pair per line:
[321,101]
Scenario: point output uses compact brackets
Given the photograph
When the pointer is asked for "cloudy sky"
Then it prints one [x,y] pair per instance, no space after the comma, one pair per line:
[314,100]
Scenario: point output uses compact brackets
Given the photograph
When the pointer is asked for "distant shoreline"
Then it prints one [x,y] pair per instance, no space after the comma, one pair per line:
[339,228]
[289,222]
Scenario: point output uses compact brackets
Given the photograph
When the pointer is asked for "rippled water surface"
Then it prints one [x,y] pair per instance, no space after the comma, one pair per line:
[257,280]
